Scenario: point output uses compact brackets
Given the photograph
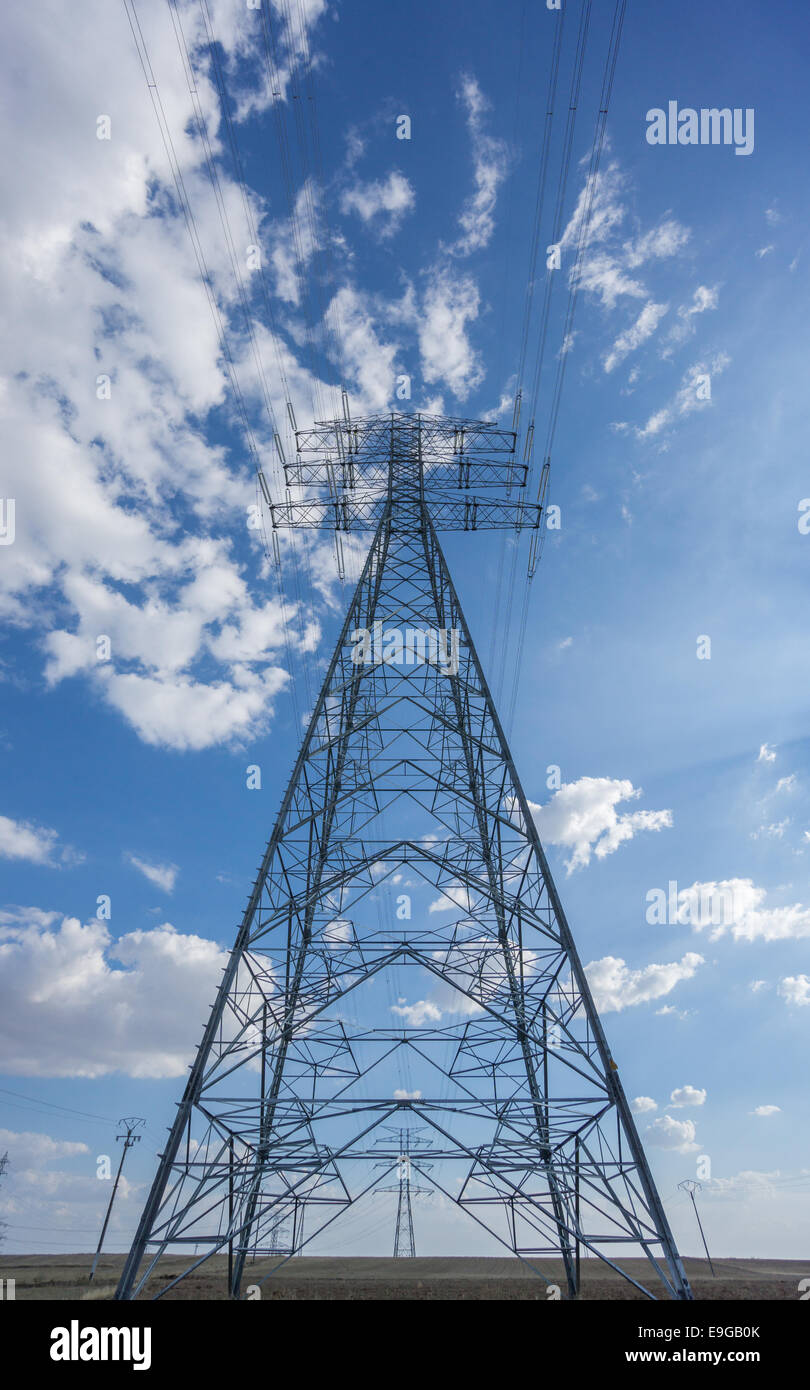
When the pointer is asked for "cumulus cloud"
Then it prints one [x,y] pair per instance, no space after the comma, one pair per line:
[616,987]
[766,754]
[668,1133]
[642,1105]
[735,906]
[686,1095]
[28,1148]
[582,816]
[25,840]
[454,896]
[764,1111]
[418,1014]
[65,1204]
[129,510]
[795,989]
[74,1002]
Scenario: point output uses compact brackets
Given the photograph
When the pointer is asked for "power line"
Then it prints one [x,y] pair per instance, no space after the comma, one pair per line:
[53,1105]
[538,536]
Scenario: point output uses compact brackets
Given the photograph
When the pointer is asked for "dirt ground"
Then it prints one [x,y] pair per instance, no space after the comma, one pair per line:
[45,1277]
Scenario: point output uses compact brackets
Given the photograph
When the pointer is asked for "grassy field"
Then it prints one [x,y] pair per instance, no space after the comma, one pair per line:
[55,1277]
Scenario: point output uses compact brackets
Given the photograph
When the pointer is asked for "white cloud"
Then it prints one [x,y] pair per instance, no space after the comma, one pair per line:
[99,278]
[642,1105]
[407,1095]
[643,328]
[582,816]
[25,840]
[370,359]
[751,1183]
[450,303]
[766,754]
[26,1148]
[490,164]
[162,875]
[667,1133]
[383,202]
[73,1002]
[704,298]
[416,1015]
[692,395]
[603,275]
[616,987]
[735,906]
[686,1095]
[795,989]
[607,260]
[763,1111]
[662,241]
[453,897]
[763,251]
[774,831]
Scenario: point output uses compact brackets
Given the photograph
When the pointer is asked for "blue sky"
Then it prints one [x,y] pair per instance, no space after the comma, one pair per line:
[680,521]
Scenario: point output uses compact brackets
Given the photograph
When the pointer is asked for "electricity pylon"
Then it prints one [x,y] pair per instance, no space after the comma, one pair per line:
[404,1240]
[533,1135]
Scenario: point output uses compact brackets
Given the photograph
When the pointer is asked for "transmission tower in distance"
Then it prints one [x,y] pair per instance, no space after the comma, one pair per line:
[407,1141]
[404,779]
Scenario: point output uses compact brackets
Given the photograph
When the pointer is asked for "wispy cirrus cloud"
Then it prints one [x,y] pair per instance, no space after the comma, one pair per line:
[490,167]
[163,876]
[638,333]
[694,393]
[611,260]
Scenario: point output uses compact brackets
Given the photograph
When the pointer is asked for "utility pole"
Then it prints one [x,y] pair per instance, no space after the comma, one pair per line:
[129,1138]
[3,1167]
[691,1185]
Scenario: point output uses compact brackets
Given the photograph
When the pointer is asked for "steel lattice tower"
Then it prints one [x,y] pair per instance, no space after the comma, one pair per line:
[532,1132]
[404,1243]
[404,1239]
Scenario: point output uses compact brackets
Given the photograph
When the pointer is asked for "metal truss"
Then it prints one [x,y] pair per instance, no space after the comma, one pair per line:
[532,1134]
[350,465]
